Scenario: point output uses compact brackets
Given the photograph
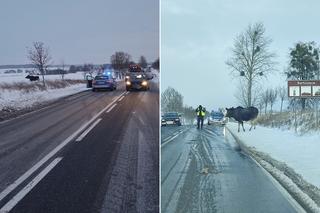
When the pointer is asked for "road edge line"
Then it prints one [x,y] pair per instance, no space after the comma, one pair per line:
[296,204]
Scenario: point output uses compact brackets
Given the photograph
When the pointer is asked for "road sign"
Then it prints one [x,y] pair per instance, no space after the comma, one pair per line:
[304,89]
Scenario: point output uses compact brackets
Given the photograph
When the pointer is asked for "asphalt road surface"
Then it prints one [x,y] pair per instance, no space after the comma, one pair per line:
[90,152]
[205,171]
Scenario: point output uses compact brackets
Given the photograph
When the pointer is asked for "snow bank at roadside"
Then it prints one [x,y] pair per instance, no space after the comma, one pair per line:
[293,160]
[16,100]
[156,75]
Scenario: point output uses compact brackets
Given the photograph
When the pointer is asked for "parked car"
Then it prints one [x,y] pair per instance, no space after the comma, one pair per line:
[216,117]
[104,82]
[171,118]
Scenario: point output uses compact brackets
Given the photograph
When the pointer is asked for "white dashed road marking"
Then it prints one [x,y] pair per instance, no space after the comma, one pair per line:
[11,204]
[88,130]
[111,108]
[28,173]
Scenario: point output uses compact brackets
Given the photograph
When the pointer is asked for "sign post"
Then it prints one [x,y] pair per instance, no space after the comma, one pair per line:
[304,89]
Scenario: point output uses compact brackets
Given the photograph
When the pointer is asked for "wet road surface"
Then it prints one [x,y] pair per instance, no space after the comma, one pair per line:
[205,171]
[91,152]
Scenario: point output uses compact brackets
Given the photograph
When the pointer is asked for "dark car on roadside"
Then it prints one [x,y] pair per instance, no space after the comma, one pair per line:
[104,82]
[136,79]
[171,118]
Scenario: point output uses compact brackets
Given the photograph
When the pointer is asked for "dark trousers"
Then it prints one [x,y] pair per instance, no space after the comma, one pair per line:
[200,121]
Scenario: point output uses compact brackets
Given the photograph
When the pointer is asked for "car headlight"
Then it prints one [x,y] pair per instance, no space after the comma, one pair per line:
[127,77]
[144,83]
[139,76]
[128,83]
[176,119]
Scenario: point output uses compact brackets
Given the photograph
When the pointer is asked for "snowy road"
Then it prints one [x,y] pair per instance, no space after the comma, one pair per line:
[90,152]
[205,171]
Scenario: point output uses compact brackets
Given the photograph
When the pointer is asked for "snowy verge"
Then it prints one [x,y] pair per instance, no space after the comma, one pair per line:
[15,103]
[306,194]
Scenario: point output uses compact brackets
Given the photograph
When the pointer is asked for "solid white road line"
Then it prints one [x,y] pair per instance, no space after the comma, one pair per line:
[17,182]
[127,93]
[141,120]
[168,140]
[11,204]
[111,108]
[121,99]
[88,130]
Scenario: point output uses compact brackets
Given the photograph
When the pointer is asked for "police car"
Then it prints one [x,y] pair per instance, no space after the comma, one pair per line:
[216,117]
[104,81]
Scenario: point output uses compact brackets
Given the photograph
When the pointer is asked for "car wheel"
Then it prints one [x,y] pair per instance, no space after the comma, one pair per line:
[93,89]
[128,88]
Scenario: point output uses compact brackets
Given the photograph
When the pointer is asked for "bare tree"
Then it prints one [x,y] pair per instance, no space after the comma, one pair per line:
[156,64]
[40,57]
[188,114]
[171,100]
[120,61]
[282,91]
[143,62]
[260,104]
[265,100]
[273,94]
[251,58]
[242,92]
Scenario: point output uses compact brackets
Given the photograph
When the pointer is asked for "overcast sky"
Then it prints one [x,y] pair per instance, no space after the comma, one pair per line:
[197,37]
[79,31]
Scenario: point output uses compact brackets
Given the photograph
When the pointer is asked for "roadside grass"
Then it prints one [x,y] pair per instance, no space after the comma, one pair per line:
[302,122]
[28,87]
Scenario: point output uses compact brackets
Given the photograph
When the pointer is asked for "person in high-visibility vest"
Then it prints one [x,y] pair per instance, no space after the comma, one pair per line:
[201,112]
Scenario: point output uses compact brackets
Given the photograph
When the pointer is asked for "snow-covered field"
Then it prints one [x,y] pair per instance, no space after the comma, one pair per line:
[16,100]
[302,153]
[20,77]
[283,150]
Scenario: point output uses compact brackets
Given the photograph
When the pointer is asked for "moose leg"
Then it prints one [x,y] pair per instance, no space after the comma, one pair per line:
[238,126]
[242,126]
[251,125]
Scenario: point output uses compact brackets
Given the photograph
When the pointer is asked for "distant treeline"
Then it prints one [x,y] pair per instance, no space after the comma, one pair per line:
[28,66]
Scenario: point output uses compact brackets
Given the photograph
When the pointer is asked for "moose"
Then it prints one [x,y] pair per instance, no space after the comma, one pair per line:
[32,77]
[241,114]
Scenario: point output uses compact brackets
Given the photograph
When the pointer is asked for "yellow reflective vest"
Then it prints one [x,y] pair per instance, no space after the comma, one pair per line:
[201,112]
